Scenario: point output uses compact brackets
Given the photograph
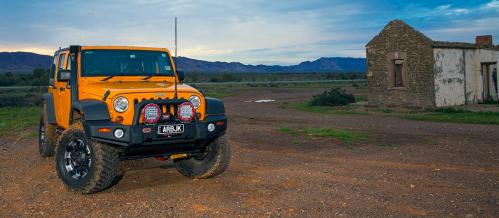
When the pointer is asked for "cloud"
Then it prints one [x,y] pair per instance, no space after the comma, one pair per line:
[248,31]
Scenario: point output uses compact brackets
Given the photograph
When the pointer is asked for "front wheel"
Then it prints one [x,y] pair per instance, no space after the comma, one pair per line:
[212,162]
[85,166]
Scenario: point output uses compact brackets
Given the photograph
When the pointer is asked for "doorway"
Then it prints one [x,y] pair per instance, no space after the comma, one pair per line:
[490,83]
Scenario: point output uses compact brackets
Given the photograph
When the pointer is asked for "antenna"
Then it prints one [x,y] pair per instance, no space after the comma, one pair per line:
[176,68]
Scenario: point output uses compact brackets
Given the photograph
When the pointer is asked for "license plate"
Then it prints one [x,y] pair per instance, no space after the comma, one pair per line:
[170,129]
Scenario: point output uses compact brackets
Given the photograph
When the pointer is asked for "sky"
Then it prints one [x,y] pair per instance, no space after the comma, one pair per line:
[247,31]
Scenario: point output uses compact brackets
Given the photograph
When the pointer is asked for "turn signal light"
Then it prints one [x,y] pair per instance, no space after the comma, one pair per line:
[119,119]
[220,123]
[104,130]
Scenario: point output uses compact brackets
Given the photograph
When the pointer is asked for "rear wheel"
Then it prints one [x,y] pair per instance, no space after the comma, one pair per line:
[212,162]
[47,135]
[85,166]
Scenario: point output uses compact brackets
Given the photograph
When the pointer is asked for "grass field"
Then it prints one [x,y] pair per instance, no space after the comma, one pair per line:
[19,118]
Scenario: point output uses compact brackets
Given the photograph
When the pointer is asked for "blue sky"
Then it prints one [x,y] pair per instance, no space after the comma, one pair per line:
[251,32]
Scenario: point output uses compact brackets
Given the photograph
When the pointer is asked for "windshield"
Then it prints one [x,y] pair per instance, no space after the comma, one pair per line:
[110,62]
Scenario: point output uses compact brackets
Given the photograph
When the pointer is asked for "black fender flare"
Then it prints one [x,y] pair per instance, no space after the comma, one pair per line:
[214,106]
[92,109]
[49,104]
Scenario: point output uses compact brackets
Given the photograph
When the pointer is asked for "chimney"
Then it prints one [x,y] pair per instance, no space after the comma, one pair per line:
[483,40]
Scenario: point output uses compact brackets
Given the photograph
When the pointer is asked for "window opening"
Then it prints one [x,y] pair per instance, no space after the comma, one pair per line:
[397,72]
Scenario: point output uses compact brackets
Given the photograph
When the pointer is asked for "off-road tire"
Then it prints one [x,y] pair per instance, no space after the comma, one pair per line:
[212,163]
[47,135]
[100,170]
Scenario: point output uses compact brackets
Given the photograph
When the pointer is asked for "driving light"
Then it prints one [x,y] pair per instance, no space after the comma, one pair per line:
[186,111]
[150,113]
[120,104]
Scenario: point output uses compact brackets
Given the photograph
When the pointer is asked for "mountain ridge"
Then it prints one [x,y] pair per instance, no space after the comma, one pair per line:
[25,62]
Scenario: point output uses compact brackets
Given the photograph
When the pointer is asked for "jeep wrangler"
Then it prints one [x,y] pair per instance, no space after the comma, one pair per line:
[105,104]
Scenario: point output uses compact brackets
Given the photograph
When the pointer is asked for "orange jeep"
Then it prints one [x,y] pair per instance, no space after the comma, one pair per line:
[106,104]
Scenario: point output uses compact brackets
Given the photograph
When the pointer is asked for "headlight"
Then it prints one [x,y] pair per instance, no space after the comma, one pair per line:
[194,99]
[121,104]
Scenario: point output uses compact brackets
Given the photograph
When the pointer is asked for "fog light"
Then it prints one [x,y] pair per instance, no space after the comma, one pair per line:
[118,133]
[211,127]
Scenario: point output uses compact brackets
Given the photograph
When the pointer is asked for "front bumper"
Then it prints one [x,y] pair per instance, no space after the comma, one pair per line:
[144,139]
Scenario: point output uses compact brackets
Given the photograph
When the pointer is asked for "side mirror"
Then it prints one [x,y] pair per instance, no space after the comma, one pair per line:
[181,75]
[63,75]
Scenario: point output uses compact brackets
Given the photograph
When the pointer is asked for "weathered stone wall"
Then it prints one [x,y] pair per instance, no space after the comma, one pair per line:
[418,91]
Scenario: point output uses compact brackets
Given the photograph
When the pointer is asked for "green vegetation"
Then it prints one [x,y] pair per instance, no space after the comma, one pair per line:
[318,109]
[21,97]
[335,97]
[40,77]
[196,77]
[19,118]
[385,110]
[345,135]
[491,101]
[448,114]
[360,98]
[457,116]
[451,110]
[214,91]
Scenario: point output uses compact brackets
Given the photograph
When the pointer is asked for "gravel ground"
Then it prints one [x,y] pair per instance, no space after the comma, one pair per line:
[406,169]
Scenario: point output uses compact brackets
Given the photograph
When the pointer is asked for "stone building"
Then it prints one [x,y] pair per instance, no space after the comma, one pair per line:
[407,69]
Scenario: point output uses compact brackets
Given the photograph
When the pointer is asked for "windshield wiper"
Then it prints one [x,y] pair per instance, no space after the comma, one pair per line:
[157,74]
[119,74]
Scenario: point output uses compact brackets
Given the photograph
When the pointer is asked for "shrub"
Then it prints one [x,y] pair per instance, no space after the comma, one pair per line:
[336,97]
[215,79]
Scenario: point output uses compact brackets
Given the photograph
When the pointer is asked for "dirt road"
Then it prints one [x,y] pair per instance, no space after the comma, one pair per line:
[406,169]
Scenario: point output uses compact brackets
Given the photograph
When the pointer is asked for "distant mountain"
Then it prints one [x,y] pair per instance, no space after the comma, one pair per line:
[25,62]
[336,64]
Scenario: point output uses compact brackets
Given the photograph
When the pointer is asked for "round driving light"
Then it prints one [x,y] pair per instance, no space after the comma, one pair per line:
[194,99]
[120,104]
[119,133]
[186,111]
[211,127]
[150,113]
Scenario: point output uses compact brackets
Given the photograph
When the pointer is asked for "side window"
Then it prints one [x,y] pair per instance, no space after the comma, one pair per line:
[62,58]
[54,65]
[68,64]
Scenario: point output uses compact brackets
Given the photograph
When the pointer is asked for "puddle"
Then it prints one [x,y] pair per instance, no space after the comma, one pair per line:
[265,100]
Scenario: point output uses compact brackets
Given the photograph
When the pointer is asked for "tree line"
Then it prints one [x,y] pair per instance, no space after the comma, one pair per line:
[196,77]
[39,77]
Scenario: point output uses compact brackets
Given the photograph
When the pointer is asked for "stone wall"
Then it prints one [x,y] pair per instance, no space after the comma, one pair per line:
[418,90]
